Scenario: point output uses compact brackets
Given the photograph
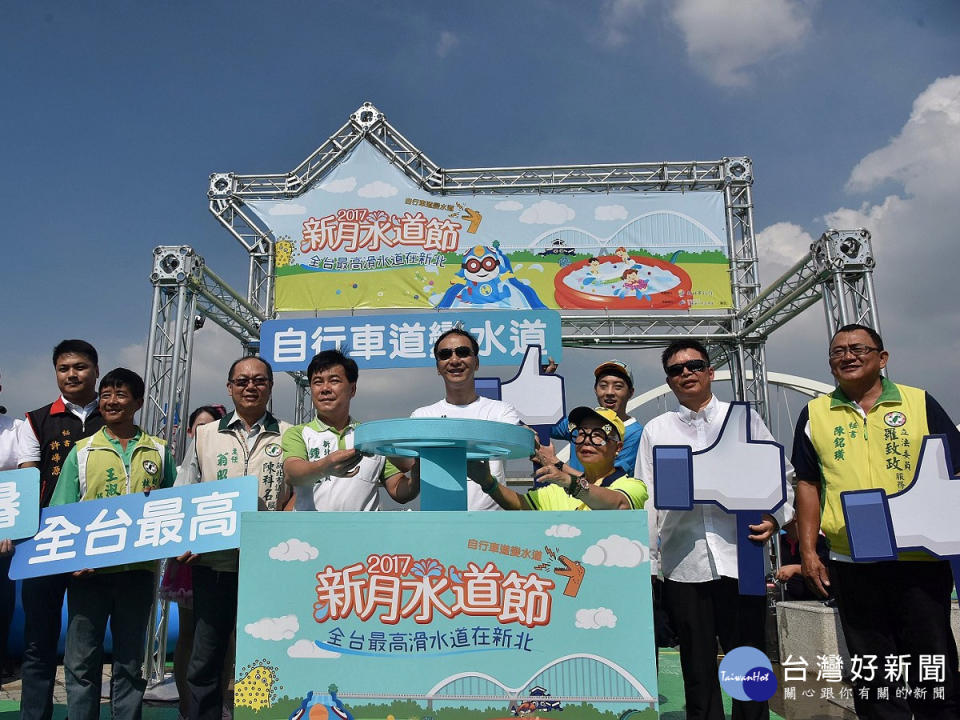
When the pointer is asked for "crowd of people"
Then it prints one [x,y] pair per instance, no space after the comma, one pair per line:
[87,439]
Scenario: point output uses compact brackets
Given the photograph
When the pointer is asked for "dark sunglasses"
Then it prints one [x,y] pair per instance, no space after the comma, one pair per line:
[691,365]
[462,351]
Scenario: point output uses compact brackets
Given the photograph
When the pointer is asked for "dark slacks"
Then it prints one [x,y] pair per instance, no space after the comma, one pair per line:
[8,600]
[42,607]
[899,608]
[215,615]
[701,614]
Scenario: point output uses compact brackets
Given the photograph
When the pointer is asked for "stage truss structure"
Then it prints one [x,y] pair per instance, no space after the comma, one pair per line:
[838,269]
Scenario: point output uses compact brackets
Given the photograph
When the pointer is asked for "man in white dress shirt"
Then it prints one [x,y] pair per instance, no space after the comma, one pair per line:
[457,355]
[698,547]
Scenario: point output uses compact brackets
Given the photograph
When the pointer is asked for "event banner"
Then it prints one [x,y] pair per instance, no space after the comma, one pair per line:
[19,503]
[368,236]
[406,340]
[137,527]
[445,615]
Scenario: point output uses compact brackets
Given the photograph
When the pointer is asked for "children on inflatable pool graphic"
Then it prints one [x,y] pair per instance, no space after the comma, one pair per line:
[633,285]
[486,278]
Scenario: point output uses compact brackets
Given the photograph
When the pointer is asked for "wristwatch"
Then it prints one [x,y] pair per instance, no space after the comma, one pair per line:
[559,465]
[578,483]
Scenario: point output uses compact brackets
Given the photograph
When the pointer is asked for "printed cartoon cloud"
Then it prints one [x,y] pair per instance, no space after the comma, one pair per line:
[616,551]
[376,189]
[282,208]
[293,550]
[509,205]
[281,628]
[594,618]
[340,186]
[563,531]
[610,212]
[309,649]
[547,212]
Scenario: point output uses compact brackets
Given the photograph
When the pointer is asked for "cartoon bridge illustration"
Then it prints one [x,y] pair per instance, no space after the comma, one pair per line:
[575,678]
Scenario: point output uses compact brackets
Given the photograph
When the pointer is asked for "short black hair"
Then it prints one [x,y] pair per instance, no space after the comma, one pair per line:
[458,331]
[330,358]
[212,410]
[250,357]
[80,347]
[853,327]
[119,377]
[683,344]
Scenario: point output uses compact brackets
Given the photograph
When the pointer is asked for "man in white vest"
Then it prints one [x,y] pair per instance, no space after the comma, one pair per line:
[244,442]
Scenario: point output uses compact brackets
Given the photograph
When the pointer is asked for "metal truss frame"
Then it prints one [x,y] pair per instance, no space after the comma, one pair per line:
[837,269]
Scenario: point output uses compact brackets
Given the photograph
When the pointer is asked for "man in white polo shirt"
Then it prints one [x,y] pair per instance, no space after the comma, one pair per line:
[319,460]
[457,356]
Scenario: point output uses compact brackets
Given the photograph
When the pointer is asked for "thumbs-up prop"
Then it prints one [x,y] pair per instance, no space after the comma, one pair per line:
[742,475]
[923,516]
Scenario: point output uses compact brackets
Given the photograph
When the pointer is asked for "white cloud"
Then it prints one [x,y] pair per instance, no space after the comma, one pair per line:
[285,208]
[377,189]
[509,205]
[725,38]
[616,551]
[618,18]
[563,531]
[595,618]
[610,212]
[281,628]
[342,185]
[779,246]
[446,42]
[308,649]
[293,550]
[547,212]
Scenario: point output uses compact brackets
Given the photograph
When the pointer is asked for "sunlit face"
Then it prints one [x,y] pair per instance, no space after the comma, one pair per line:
[76,377]
[849,368]
[692,388]
[331,392]
[201,419]
[118,405]
[612,392]
[250,387]
[481,269]
[456,370]
[588,452]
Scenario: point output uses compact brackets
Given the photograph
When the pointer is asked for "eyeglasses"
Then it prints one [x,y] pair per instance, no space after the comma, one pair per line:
[856,350]
[597,438]
[488,263]
[694,366]
[242,382]
[462,351]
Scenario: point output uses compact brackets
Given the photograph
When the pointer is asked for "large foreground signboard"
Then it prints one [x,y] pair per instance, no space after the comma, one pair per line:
[367,236]
[450,616]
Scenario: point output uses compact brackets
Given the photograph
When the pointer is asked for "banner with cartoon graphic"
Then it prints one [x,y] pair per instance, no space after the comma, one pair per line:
[367,236]
[451,616]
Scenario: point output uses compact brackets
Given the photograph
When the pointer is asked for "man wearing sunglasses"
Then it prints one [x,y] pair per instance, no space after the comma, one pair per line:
[868,434]
[244,442]
[457,355]
[698,547]
[600,486]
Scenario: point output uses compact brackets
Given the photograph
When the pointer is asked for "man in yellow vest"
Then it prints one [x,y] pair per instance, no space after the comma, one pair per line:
[118,459]
[895,615]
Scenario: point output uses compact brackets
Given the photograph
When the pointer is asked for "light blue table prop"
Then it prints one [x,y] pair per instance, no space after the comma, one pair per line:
[444,446]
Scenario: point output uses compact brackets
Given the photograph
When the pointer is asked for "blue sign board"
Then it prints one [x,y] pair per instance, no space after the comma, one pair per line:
[405,340]
[138,527]
[19,503]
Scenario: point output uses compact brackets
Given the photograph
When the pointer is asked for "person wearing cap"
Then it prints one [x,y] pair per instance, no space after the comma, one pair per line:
[698,547]
[613,384]
[601,485]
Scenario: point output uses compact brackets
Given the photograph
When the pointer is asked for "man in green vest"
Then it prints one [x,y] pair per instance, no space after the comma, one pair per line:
[119,459]
[895,615]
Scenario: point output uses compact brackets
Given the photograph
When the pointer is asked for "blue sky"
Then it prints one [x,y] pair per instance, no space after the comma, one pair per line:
[115,114]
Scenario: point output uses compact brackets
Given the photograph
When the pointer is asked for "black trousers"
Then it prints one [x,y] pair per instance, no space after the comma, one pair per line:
[215,615]
[899,608]
[42,608]
[701,614]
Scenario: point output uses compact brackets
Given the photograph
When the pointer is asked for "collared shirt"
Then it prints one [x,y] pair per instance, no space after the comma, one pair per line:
[249,433]
[10,443]
[27,440]
[697,545]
